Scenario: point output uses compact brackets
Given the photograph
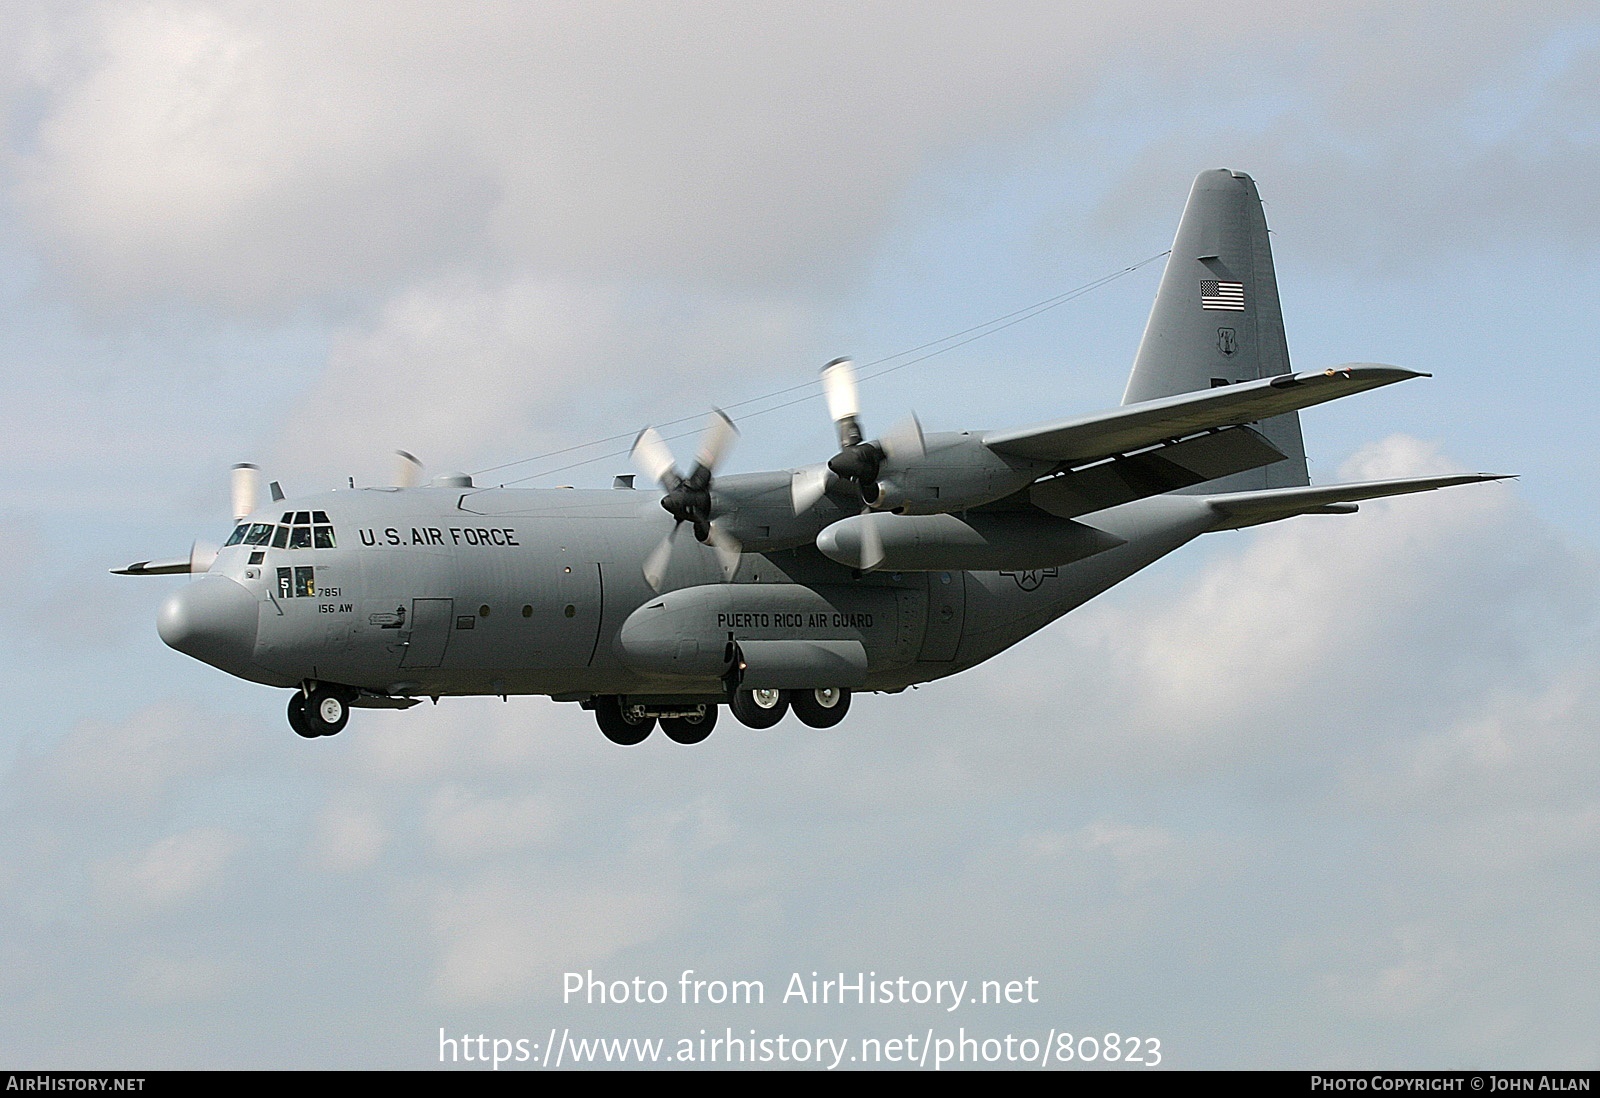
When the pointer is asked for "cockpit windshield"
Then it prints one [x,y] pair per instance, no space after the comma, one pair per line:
[296,530]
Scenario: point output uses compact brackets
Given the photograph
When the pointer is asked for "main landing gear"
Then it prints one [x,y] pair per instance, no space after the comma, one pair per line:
[627,723]
[324,712]
[822,708]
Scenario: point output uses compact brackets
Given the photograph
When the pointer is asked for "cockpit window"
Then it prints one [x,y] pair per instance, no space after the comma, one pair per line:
[295,532]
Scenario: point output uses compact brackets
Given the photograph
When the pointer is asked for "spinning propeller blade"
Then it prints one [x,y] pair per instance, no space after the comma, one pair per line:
[407,470]
[844,402]
[904,441]
[655,565]
[652,458]
[807,486]
[246,490]
[871,543]
[728,550]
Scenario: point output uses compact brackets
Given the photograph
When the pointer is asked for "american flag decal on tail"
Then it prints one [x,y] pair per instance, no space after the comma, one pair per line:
[1228,296]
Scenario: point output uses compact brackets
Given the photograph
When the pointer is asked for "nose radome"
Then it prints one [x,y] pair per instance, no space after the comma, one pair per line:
[212,619]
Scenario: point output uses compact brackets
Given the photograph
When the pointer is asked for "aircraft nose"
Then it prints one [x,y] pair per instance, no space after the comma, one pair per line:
[214,620]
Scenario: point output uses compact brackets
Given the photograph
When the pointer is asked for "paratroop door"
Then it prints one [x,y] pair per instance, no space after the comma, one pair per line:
[430,632]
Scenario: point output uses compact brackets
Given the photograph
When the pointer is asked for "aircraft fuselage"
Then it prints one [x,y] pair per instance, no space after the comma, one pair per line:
[451,591]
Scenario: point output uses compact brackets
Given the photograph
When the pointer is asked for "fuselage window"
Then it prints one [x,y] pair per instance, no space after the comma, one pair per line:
[239,532]
[297,583]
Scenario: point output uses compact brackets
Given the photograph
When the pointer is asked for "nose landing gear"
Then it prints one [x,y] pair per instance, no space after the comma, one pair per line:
[324,712]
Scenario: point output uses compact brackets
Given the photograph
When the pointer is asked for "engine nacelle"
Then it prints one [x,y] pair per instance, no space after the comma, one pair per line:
[981,542]
[957,472]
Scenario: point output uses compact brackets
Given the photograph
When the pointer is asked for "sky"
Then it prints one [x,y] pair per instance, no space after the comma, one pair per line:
[1320,793]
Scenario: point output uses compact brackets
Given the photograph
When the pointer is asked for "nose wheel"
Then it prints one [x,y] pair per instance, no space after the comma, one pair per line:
[324,713]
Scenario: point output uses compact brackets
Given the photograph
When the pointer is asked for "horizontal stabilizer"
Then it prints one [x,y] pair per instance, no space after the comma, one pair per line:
[1240,509]
[1135,426]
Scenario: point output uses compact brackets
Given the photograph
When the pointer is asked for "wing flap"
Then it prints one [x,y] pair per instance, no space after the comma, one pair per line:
[1154,471]
[1135,426]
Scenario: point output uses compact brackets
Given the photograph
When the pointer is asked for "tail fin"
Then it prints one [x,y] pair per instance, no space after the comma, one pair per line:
[1216,319]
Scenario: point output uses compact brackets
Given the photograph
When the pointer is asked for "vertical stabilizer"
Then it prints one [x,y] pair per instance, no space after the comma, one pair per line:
[1216,319]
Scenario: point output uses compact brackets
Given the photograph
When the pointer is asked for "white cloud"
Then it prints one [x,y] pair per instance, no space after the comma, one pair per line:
[348,838]
[459,371]
[103,769]
[167,874]
[503,940]
[466,826]
[224,154]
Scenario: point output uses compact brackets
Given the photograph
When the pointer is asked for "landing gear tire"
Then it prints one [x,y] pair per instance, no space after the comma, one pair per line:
[759,708]
[324,713]
[621,725]
[690,728]
[820,708]
[297,717]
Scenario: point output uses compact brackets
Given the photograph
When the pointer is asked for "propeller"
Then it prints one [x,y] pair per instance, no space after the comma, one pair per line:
[857,461]
[688,498]
[246,490]
[407,470]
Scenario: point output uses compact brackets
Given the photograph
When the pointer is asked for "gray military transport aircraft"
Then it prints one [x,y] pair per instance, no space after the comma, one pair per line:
[899,560]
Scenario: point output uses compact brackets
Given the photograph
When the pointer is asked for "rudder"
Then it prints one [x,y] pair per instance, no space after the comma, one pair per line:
[1217,320]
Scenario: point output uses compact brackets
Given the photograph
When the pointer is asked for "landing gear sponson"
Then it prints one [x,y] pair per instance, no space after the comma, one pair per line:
[627,722]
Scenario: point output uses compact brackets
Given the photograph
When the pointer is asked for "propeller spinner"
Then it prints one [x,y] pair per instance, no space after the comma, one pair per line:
[688,498]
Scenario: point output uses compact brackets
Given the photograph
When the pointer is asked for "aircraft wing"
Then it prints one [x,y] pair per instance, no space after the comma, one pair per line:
[1240,509]
[1134,426]
[154,568]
